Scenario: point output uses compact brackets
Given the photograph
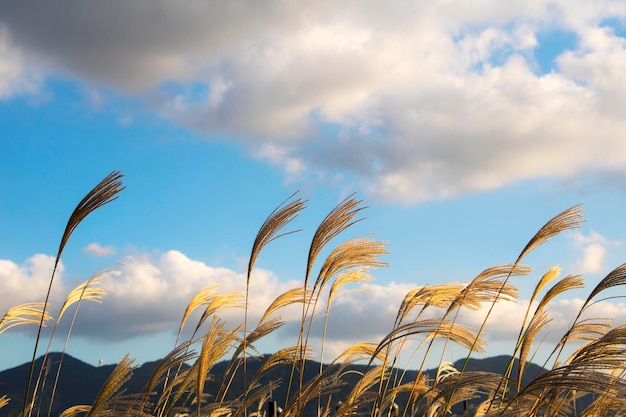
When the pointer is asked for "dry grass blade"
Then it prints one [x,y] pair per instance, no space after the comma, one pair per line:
[270,229]
[320,385]
[461,335]
[202,297]
[84,291]
[261,331]
[220,412]
[4,400]
[361,393]
[257,394]
[355,255]
[483,291]
[603,407]
[292,296]
[440,295]
[415,388]
[268,232]
[27,313]
[174,359]
[589,329]
[120,375]
[487,287]
[128,405]
[548,277]
[103,193]
[568,219]
[611,347]
[591,370]
[615,278]
[539,321]
[339,219]
[503,271]
[358,252]
[356,276]
[182,384]
[359,352]
[218,302]
[457,387]
[570,282]
[215,344]
[77,410]
[286,356]
[563,380]
[445,370]
[204,365]
[528,333]
[431,328]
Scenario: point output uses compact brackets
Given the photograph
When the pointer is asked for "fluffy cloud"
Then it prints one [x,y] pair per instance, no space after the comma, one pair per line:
[96,249]
[594,250]
[150,292]
[28,282]
[411,101]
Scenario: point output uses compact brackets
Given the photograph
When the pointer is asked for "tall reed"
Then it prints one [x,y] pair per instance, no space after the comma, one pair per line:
[586,364]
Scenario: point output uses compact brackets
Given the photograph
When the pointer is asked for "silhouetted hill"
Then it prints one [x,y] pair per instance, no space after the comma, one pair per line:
[80,383]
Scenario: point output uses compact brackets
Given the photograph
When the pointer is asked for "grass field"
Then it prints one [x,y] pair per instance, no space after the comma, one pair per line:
[587,362]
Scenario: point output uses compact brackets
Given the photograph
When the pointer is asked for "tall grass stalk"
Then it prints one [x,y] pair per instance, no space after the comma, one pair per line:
[428,314]
[103,193]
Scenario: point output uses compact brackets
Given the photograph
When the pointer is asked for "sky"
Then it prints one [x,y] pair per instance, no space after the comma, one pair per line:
[462,126]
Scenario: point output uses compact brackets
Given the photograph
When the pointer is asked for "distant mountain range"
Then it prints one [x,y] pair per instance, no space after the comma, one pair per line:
[80,383]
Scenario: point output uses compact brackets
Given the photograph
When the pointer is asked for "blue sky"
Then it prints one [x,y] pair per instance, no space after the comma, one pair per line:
[462,128]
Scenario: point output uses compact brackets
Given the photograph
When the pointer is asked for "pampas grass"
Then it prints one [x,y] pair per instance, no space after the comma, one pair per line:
[587,362]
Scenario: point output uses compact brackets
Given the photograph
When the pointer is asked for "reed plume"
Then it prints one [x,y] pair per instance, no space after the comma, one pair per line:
[103,193]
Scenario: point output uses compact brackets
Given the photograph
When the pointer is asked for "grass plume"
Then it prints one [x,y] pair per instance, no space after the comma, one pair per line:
[587,363]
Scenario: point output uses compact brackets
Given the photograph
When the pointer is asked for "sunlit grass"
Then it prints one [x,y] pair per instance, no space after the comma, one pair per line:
[593,367]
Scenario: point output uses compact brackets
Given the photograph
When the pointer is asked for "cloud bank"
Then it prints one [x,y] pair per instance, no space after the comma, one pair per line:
[150,292]
[411,101]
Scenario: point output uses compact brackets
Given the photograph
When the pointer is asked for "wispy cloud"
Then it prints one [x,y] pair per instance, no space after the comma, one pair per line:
[96,249]
[413,101]
[16,76]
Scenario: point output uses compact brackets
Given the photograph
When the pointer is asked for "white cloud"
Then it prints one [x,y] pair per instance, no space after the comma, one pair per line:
[594,250]
[411,101]
[150,292]
[593,261]
[29,282]
[280,156]
[15,76]
[96,249]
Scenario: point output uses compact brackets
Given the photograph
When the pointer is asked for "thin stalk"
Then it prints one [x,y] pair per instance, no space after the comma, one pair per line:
[103,193]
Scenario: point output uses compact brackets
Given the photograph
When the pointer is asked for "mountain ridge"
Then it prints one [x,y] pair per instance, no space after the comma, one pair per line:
[80,382]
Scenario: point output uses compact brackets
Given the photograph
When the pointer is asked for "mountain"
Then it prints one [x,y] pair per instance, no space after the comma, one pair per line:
[79,383]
